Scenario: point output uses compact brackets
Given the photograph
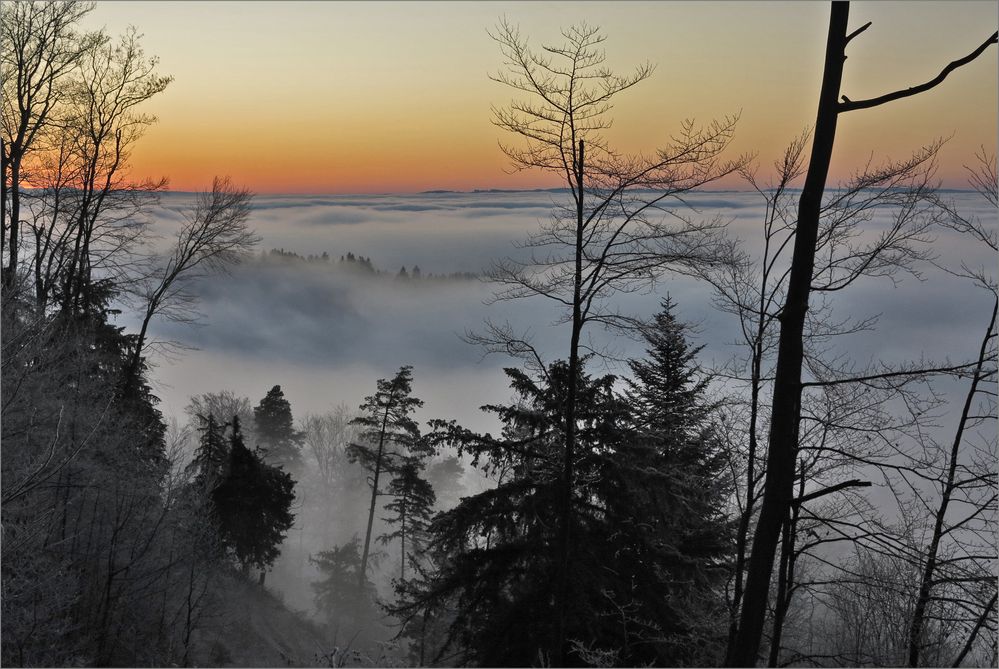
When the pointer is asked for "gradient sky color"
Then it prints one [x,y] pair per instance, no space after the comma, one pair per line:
[367,97]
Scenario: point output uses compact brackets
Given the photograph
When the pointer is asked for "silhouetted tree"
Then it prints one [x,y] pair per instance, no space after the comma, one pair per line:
[253,504]
[388,435]
[671,475]
[214,236]
[275,427]
[778,490]
[338,596]
[643,504]
[412,508]
[613,236]
[211,459]
[41,51]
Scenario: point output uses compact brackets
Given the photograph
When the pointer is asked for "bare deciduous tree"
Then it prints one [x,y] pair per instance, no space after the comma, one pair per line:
[214,236]
[41,49]
[616,235]
[786,410]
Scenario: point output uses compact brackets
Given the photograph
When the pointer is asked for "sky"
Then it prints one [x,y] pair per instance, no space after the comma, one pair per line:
[395,97]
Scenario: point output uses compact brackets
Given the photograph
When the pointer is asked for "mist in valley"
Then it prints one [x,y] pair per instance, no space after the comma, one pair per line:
[325,329]
[697,404]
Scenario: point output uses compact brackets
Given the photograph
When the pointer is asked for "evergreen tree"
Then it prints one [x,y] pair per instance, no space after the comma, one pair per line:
[212,457]
[338,596]
[412,508]
[668,387]
[276,430]
[253,505]
[648,547]
[672,474]
[497,551]
[388,435]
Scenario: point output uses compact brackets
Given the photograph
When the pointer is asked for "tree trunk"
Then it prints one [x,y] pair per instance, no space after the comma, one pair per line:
[374,498]
[15,224]
[565,514]
[4,169]
[785,575]
[926,584]
[783,443]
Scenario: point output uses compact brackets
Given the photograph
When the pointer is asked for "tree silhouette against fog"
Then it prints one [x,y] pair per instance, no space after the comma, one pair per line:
[253,505]
[213,237]
[412,508]
[964,514]
[616,235]
[388,435]
[281,442]
[41,51]
[778,487]
[838,418]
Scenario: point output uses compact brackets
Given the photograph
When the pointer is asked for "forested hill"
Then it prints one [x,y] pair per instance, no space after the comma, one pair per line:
[360,265]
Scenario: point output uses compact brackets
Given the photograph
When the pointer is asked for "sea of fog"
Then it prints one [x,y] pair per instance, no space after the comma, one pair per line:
[325,336]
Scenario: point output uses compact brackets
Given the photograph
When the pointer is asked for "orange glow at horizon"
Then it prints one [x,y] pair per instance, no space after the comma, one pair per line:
[345,97]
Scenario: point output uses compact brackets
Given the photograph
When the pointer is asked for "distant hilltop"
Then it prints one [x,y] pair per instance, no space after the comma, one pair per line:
[361,265]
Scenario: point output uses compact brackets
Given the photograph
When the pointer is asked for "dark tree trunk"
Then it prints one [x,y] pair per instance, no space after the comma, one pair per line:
[15,224]
[374,500]
[785,575]
[565,511]
[783,443]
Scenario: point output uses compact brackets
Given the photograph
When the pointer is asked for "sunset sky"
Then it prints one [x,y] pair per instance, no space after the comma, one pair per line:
[368,97]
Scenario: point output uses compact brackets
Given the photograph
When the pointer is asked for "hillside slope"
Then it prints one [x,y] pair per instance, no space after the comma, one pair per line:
[251,627]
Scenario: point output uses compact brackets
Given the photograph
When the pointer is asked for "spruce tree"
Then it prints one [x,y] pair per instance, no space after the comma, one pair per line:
[412,508]
[647,523]
[253,505]
[338,596]
[497,551]
[388,436]
[672,471]
[280,441]
[212,457]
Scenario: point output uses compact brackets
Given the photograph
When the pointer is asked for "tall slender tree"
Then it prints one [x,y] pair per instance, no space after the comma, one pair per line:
[41,51]
[388,435]
[411,507]
[613,235]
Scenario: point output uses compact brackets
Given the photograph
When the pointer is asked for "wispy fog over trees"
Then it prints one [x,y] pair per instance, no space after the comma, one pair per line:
[629,496]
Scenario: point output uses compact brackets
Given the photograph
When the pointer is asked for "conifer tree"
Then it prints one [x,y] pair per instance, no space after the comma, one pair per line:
[388,435]
[498,551]
[253,504]
[338,596]
[280,441]
[649,526]
[212,457]
[672,471]
[412,508]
